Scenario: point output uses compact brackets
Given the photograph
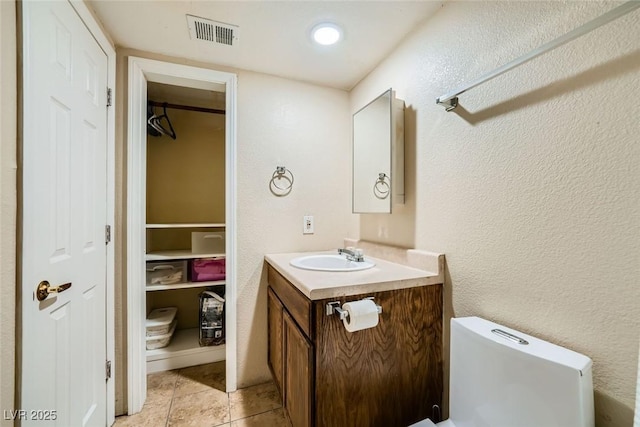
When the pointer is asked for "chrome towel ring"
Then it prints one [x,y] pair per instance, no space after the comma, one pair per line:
[382,186]
[278,188]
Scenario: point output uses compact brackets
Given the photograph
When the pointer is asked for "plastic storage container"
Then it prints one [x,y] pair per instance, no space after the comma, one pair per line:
[160,321]
[166,272]
[160,341]
[208,242]
[208,269]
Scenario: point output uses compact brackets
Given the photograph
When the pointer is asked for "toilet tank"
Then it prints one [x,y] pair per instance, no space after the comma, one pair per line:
[499,381]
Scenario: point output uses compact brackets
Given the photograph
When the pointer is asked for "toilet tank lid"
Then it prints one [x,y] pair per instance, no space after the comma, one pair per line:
[536,347]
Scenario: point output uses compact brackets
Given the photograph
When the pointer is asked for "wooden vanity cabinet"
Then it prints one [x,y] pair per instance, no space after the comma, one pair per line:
[298,374]
[291,353]
[276,339]
[390,375]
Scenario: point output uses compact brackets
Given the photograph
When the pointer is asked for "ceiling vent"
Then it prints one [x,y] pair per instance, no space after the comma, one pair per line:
[212,31]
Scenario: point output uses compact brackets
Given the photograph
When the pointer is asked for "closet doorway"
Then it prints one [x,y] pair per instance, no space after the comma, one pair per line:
[180,217]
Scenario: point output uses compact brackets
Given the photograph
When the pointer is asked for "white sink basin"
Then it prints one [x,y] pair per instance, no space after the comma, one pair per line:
[327,262]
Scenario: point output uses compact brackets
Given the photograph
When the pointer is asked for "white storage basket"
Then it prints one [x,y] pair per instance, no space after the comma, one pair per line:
[208,242]
[166,272]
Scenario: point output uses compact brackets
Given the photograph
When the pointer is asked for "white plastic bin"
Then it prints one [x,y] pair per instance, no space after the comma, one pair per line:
[208,242]
[160,320]
[166,272]
[160,341]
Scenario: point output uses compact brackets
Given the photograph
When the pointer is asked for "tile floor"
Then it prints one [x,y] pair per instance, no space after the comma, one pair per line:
[195,397]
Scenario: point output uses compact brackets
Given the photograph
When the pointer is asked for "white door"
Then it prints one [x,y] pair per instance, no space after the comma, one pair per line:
[64,184]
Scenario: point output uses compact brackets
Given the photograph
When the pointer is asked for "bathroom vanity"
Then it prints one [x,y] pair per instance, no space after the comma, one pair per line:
[388,375]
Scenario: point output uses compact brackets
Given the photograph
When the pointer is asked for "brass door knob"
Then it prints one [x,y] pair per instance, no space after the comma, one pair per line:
[44,289]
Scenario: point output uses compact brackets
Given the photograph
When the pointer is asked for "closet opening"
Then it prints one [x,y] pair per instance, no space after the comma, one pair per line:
[181,227]
[185,227]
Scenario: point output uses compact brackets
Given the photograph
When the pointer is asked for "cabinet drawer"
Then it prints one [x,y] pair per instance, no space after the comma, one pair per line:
[294,301]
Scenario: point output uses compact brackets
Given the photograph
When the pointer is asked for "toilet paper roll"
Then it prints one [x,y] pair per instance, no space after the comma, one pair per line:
[363,314]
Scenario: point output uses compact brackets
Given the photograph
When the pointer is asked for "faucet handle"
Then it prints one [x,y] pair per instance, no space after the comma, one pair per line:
[358,252]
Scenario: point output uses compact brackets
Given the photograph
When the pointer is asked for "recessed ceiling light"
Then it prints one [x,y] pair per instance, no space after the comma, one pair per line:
[326,33]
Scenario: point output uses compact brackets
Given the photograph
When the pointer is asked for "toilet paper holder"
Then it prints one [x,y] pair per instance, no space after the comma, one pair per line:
[335,307]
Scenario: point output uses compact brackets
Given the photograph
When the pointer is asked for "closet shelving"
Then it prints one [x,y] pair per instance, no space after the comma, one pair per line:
[184,348]
[186,225]
[182,254]
[183,351]
[167,255]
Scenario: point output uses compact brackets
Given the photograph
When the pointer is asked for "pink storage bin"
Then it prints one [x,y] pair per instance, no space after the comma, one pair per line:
[207,269]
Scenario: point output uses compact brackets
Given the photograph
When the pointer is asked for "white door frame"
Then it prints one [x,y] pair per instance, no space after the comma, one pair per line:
[105,44]
[142,70]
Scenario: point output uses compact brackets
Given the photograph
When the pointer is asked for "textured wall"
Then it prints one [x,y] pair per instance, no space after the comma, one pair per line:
[636,418]
[119,236]
[8,204]
[531,188]
[186,177]
[307,129]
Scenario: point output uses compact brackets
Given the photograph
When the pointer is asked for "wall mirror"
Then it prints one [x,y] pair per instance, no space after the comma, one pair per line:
[378,155]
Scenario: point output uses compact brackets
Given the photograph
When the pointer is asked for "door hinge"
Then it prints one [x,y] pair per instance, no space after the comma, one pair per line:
[108,369]
[107,234]
[109,96]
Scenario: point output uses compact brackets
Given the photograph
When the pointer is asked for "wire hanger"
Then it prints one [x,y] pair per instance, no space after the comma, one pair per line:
[150,129]
[156,122]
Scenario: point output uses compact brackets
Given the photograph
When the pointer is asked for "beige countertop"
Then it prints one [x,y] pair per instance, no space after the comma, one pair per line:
[384,276]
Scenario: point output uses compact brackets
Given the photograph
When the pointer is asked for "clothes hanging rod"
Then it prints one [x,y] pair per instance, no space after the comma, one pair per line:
[450,100]
[186,107]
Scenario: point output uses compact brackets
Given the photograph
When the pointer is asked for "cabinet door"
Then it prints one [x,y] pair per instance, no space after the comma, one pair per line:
[274,309]
[298,374]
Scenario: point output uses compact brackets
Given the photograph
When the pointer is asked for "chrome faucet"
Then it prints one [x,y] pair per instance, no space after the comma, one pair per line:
[352,254]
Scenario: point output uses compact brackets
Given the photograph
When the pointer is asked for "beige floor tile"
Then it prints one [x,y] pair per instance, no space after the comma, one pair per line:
[160,388]
[274,418]
[150,416]
[200,378]
[205,409]
[254,400]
